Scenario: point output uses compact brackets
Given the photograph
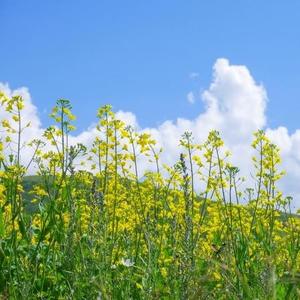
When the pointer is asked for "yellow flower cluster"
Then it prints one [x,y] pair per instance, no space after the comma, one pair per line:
[184,231]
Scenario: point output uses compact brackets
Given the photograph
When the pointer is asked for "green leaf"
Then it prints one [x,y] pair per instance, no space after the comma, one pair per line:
[2,229]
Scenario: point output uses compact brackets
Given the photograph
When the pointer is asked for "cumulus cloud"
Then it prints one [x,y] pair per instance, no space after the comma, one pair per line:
[290,153]
[128,118]
[29,115]
[234,104]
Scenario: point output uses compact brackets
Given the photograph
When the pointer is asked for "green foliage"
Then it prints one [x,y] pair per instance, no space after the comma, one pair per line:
[92,225]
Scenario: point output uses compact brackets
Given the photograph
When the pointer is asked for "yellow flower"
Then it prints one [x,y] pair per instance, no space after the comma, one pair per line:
[164,272]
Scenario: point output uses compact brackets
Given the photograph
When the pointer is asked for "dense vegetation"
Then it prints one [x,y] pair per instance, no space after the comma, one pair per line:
[90,225]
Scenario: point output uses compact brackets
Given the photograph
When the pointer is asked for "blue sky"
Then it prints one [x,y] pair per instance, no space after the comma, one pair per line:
[137,55]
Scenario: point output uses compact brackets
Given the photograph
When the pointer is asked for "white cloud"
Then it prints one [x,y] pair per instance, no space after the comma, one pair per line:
[190,97]
[232,94]
[290,153]
[128,117]
[194,75]
[29,114]
[234,104]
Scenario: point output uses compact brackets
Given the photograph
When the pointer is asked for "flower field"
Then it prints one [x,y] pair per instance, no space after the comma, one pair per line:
[96,225]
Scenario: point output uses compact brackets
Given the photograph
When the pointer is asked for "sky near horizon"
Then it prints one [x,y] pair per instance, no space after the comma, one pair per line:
[165,66]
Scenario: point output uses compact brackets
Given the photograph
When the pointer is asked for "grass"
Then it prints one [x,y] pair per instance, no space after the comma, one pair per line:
[91,225]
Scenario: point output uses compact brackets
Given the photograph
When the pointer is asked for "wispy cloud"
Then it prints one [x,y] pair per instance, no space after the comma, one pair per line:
[190,97]
[194,75]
